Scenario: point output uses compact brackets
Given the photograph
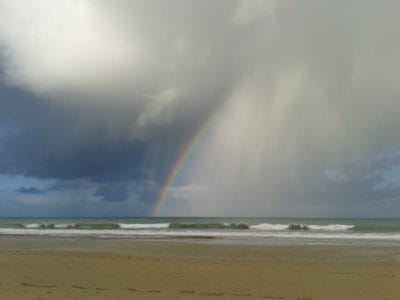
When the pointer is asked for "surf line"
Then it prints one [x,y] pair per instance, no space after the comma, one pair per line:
[180,162]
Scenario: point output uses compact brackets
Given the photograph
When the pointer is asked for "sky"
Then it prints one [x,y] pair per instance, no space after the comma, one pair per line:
[199,108]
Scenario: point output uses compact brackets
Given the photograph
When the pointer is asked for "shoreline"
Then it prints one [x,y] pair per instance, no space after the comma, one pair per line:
[211,240]
[189,269]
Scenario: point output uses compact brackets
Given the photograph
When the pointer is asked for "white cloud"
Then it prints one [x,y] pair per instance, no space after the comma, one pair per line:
[57,46]
[133,54]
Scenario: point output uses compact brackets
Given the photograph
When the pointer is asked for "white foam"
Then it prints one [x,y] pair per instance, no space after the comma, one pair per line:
[63,225]
[280,227]
[267,226]
[33,225]
[331,227]
[144,226]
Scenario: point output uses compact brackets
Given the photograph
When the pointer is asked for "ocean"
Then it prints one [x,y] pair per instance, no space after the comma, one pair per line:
[248,230]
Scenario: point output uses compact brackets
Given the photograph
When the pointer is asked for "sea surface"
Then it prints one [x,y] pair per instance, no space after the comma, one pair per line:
[250,230]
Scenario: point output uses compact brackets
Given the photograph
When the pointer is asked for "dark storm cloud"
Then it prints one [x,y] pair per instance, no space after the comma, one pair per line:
[49,141]
[113,109]
[73,144]
[104,93]
[30,190]
[115,192]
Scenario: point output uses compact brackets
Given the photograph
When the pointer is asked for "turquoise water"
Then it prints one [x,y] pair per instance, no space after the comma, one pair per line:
[261,229]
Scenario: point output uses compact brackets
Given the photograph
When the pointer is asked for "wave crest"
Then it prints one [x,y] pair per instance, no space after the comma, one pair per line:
[209,226]
[281,227]
[267,226]
[144,226]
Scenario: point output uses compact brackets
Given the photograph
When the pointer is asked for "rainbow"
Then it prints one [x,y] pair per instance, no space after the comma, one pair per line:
[180,162]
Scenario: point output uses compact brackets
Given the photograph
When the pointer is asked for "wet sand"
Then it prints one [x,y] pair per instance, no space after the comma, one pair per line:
[123,269]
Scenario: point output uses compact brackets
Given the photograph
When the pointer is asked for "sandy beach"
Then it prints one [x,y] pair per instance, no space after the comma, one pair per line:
[124,269]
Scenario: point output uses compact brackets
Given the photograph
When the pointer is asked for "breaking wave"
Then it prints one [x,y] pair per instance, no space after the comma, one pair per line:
[280,227]
[267,226]
[144,226]
[205,225]
[208,226]
[201,226]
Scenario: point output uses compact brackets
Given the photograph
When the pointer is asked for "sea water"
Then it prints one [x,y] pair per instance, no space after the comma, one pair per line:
[257,230]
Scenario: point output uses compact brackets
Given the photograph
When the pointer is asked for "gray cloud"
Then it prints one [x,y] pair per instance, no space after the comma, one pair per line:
[29,190]
[137,55]
[113,192]
[305,95]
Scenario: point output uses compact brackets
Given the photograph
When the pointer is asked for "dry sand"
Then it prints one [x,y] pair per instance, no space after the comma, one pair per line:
[121,269]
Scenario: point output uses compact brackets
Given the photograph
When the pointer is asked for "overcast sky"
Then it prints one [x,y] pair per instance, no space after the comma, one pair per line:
[99,98]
